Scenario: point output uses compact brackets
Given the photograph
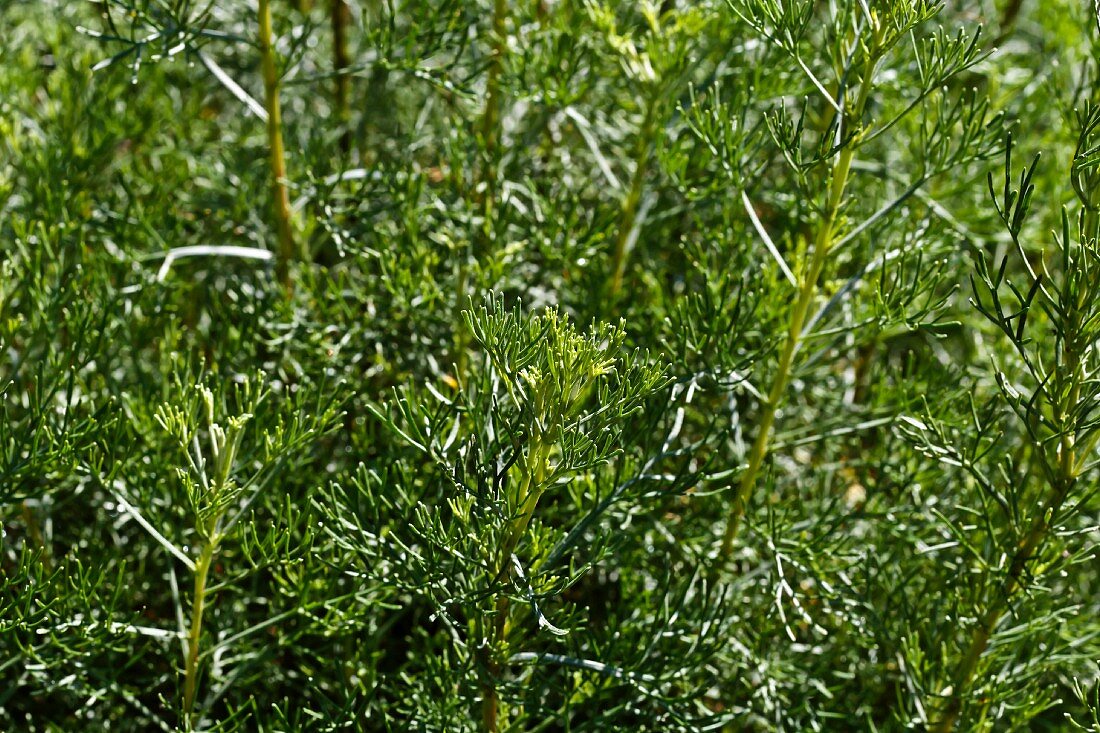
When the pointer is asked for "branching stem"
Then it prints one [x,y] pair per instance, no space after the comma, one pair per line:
[1038,530]
[983,631]
[807,290]
[525,501]
[288,250]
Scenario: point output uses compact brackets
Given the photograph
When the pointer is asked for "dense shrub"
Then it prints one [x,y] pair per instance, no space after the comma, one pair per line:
[446,365]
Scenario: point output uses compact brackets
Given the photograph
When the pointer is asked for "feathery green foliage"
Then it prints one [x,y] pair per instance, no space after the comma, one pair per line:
[470,365]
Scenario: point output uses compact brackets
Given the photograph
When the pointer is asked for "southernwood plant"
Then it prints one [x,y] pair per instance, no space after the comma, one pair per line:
[575,365]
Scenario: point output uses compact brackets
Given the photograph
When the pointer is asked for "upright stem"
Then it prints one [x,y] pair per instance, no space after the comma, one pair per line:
[198,605]
[807,290]
[980,636]
[341,18]
[1026,548]
[288,250]
[629,214]
[526,499]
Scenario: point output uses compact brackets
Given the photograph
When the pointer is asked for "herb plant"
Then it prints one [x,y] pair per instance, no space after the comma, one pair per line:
[469,365]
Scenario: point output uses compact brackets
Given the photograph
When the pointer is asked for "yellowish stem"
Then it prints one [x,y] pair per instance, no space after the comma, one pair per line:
[523,504]
[1026,550]
[288,250]
[807,290]
[198,606]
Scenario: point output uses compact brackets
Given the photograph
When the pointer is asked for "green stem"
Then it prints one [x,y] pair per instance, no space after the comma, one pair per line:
[288,250]
[1090,223]
[629,213]
[198,605]
[807,290]
[983,632]
[523,504]
[1026,550]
